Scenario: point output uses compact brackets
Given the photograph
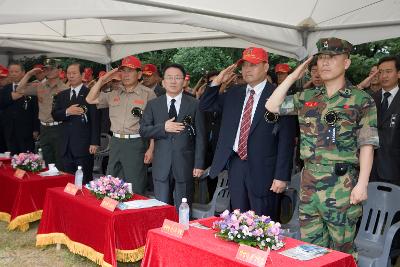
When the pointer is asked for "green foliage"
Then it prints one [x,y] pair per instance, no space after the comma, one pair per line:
[359,68]
[160,58]
[199,60]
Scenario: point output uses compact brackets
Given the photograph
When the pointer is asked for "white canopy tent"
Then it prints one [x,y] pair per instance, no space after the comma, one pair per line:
[107,30]
[287,25]
[98,39]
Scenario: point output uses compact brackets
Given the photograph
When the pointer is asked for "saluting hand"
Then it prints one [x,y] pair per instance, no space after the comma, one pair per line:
[301,69]
[173,127]
[225,75]
[108,75]
[367,81]
[75,110]
[34,71]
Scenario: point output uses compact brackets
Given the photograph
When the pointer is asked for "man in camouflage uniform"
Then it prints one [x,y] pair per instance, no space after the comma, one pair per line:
[338,126]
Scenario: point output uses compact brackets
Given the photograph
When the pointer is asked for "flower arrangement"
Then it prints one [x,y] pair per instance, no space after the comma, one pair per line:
[249,229]
[112,187]
[27,161]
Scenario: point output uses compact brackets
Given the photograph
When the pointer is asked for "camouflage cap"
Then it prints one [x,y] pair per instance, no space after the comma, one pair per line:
[333,46]
[51,63]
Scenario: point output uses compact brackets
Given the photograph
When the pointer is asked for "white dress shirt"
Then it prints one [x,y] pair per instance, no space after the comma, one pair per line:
[15,85]
[258,90]
[393,93]
[77,90]
[177,104]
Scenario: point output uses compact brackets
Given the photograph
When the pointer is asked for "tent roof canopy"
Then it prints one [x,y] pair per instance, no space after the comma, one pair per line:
[107,30]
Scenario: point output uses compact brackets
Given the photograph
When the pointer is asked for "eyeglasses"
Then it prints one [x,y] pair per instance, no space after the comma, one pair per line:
[171,78]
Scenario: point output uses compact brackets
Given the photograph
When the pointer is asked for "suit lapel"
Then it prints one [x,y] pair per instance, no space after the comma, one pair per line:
[82,95]
[163,107]
[239,106]
[260,109]
[183,109]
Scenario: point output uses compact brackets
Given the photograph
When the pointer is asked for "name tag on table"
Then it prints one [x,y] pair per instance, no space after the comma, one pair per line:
[173,228]
[109,204]
[71,189]
[253,256]
[19,173]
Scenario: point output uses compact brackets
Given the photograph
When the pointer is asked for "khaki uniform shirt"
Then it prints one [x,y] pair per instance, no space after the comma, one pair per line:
[45,94]
[121,103]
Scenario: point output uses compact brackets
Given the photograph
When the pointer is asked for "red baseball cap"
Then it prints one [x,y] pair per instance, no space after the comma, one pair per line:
[87,74]
[131,62]
[102,73]
[254,55]
[61,75]
[3,71]
[282,67]
[149,69]
[88,70]
[38,66]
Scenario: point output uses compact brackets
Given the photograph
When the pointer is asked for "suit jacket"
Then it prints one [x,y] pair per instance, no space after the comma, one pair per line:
[387,156]
[77,133]
[159,90]
[18,121]
[178,151]
[269,151]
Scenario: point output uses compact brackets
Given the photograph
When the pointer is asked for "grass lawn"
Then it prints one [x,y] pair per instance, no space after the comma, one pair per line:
[18,249]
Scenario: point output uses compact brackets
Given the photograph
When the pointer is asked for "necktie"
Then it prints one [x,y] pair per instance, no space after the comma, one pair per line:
[385,103]
[73,98]
[245,127]
[172,110]
[15,87]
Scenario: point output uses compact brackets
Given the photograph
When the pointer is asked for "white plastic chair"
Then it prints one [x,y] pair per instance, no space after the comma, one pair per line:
[220,201]
[375,235]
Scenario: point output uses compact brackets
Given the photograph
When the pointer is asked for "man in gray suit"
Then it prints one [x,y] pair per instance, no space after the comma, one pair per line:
[177,126]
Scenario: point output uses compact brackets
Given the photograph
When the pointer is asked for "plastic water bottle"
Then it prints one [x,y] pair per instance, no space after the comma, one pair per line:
[40,153]
[79,177]
[184,213]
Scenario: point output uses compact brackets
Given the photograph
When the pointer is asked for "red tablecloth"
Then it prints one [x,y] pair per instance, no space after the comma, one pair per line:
[94,232]
[21,201]
[200,247]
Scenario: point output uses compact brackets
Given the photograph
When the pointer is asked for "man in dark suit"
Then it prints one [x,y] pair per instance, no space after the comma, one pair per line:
[20,114]
[80,129]
[258,153]
[386,165]
[177,127]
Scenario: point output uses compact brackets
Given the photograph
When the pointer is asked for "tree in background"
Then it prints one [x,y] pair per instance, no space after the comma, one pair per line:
[199,60]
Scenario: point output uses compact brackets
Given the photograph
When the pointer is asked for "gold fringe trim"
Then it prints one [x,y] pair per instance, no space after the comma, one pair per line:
[22,222]
[86,251]
[5,217]
[130,255]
